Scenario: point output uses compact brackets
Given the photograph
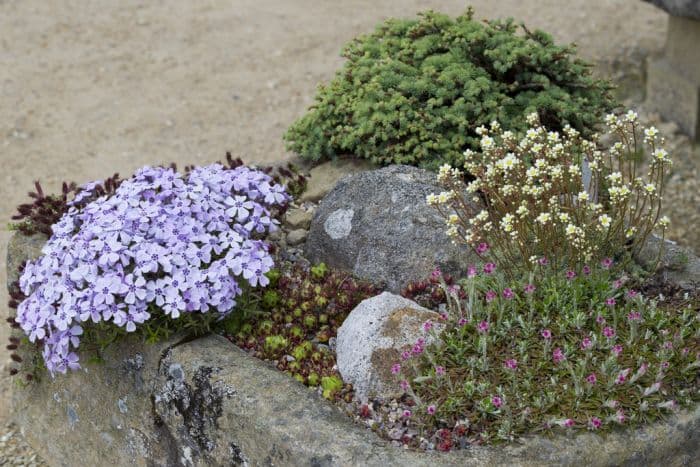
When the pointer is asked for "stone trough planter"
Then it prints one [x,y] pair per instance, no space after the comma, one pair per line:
[205,402]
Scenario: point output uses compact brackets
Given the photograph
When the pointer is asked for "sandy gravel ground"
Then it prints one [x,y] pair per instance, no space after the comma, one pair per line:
[88,88]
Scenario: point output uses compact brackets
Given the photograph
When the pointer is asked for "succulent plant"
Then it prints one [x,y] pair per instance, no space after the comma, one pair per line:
[310,303]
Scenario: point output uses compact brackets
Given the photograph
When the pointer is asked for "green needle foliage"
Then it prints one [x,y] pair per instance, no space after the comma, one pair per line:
[414,91]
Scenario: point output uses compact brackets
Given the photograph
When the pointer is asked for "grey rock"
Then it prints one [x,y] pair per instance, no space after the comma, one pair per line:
[676,264]
[372,338]
[232,409]
[297,237]
[685,8]
[323,177]
[297,218]
[377,225]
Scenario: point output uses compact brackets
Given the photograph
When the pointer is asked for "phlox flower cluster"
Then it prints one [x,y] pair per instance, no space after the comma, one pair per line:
[162,243]
[555,193]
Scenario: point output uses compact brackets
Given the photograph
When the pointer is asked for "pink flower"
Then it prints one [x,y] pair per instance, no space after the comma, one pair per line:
[406,413]
[483,327]
[403,385]
[586,343]
[668,345]
[511,364]
[529,288]
[608,332]
[622,376]
[543,261]
[440,371]
[453,290]
[490,296]
[508,293]
[620,415]
[685,351]
[634,316]
[631,293]
[606,263]
[617,284]
[570,275]
[431,410]
[600,320]
[489,268]
[436,274]
[610,301]
[664,365]
[482,248]
[472,271]
[405,355]
[395,369]
[617,350]
[586,270]
[417,348]
[497,401]
[595,423]
[591,379]
[462,321]
[427,326]
[569,422]
[547,334]
[558,356]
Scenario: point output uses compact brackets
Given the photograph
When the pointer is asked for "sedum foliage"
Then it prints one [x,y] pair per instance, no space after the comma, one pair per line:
[414,91]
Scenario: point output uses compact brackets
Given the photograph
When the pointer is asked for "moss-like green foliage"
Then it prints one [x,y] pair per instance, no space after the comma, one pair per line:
[414,91]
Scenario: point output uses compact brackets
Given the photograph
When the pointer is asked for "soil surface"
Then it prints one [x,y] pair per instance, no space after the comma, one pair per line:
[92,88]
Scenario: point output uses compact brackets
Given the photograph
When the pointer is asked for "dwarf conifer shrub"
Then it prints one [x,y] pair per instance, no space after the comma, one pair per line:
[414,91]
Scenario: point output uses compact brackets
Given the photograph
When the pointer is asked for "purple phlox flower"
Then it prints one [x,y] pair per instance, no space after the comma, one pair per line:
[136,288]
[106,288]
[239,207]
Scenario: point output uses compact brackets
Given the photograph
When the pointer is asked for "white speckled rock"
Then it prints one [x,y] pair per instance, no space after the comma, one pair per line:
[372,338]
[377,225]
